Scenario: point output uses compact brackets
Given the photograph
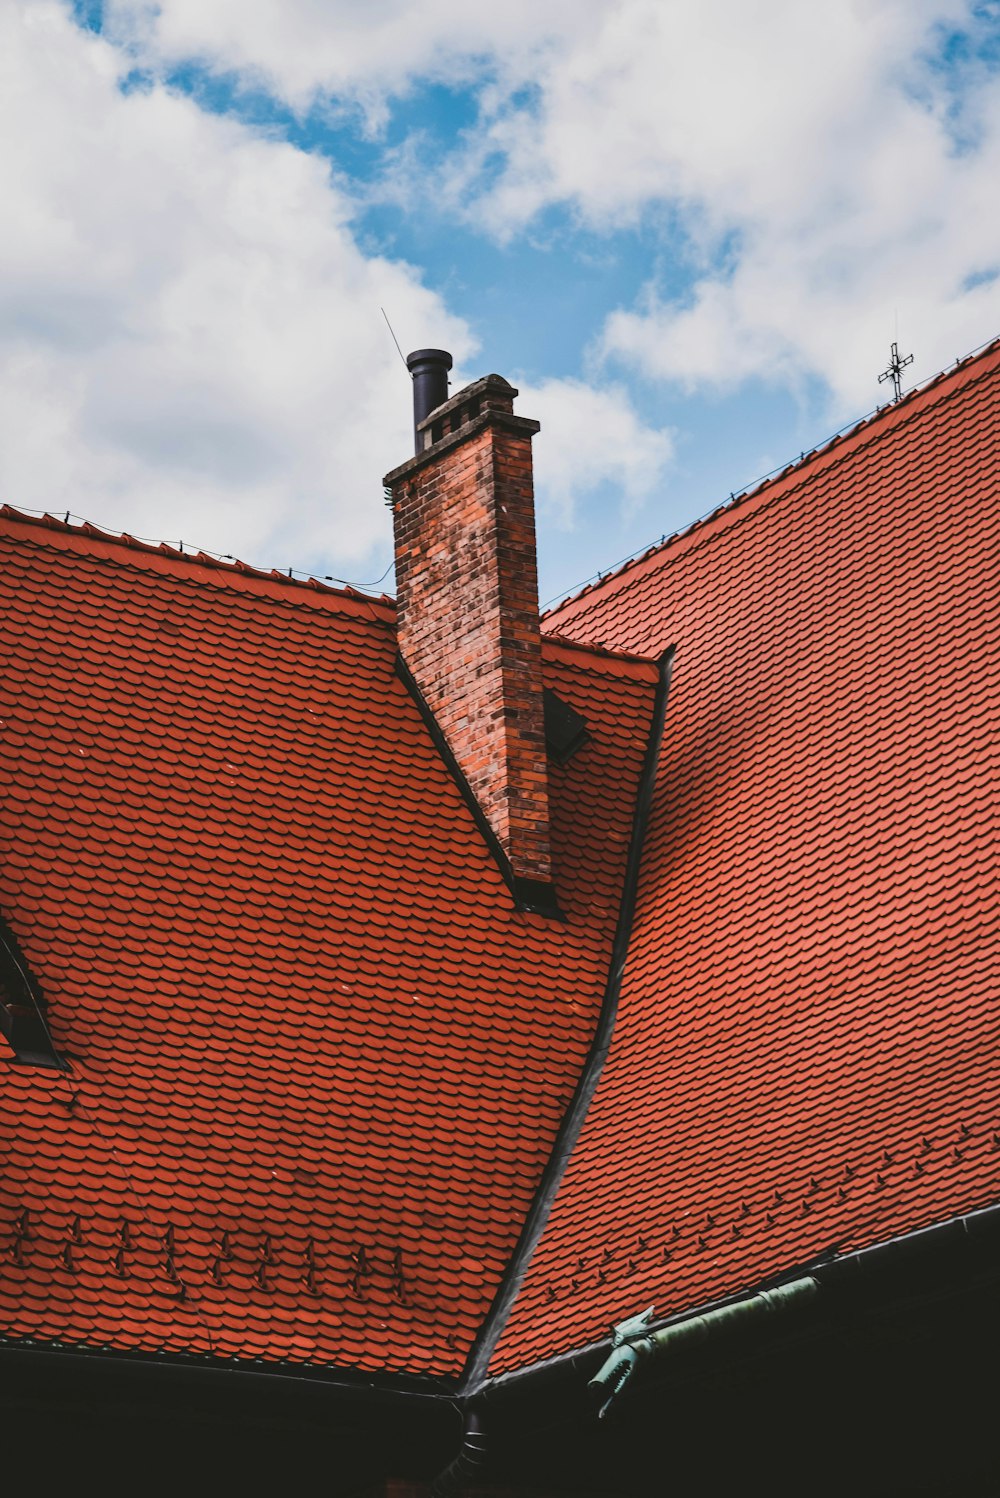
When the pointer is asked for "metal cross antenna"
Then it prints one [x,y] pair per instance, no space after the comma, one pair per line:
[895,370]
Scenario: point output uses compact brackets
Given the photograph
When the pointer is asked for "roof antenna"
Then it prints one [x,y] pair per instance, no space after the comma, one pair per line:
[895,370]
[394,339]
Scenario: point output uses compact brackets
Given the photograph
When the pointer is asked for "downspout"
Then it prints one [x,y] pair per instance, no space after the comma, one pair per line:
[634,1343]
[462,1471]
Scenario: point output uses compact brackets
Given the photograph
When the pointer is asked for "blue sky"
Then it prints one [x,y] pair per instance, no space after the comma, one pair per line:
[688,229]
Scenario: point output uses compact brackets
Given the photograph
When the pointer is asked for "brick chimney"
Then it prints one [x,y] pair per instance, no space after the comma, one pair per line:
[467,599]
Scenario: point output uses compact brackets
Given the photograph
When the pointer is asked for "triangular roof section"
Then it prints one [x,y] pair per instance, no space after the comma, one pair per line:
[804,1058]
[315,1060]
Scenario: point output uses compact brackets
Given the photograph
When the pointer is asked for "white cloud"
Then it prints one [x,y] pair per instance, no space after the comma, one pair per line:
[591,439]
[190,342]
[191,346]
[728,107]
[808,154]
[824,176]
[190,339]
[308,51]
[860,220]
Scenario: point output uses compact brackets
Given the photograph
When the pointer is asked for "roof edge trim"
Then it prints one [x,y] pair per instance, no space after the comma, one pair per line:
[569,1131]
[827,1268]
[618,663]
[434,1388]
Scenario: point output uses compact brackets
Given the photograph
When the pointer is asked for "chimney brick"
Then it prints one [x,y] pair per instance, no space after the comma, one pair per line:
[467,597]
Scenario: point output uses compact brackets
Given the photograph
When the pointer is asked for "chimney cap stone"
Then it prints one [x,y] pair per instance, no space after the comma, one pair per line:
[491,385]
[492,397]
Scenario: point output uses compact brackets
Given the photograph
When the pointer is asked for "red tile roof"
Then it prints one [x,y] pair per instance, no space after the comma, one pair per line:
[805,1055]
[317,1059]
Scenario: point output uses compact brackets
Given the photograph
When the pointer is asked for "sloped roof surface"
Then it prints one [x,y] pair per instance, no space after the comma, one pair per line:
[805,1054]
[317,1059]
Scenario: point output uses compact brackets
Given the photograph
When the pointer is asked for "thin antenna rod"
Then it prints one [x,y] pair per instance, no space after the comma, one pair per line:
[395,340]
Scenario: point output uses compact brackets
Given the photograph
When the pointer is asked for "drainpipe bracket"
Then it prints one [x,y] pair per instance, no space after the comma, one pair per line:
[634,1326]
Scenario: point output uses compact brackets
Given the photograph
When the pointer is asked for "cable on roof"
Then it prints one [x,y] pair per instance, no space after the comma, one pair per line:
[220,556]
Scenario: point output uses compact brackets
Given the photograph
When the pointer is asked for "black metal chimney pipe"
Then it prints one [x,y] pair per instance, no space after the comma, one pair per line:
[429,371]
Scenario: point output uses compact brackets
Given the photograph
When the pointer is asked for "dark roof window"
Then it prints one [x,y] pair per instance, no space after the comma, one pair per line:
[22,1017]
[565,730]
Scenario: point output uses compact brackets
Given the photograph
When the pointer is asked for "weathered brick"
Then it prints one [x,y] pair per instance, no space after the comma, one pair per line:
[468,620]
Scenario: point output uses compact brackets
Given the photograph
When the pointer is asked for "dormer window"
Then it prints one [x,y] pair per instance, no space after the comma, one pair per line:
[22,1009]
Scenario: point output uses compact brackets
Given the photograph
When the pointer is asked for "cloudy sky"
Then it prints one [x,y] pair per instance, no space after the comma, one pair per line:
[688,230]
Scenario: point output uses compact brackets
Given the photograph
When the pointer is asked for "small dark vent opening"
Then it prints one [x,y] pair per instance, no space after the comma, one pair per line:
[565,730]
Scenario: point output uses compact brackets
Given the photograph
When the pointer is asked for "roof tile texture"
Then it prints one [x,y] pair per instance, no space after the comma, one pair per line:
[804,1058]
[317,1058]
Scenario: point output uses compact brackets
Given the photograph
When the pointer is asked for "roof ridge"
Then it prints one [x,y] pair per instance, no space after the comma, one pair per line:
[231,568]
[777,475]
[602,652]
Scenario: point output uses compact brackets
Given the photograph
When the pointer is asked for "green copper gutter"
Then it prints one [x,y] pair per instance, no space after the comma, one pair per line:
[634,1342]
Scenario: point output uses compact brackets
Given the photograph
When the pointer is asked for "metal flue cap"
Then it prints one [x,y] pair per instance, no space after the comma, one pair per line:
[429,371]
